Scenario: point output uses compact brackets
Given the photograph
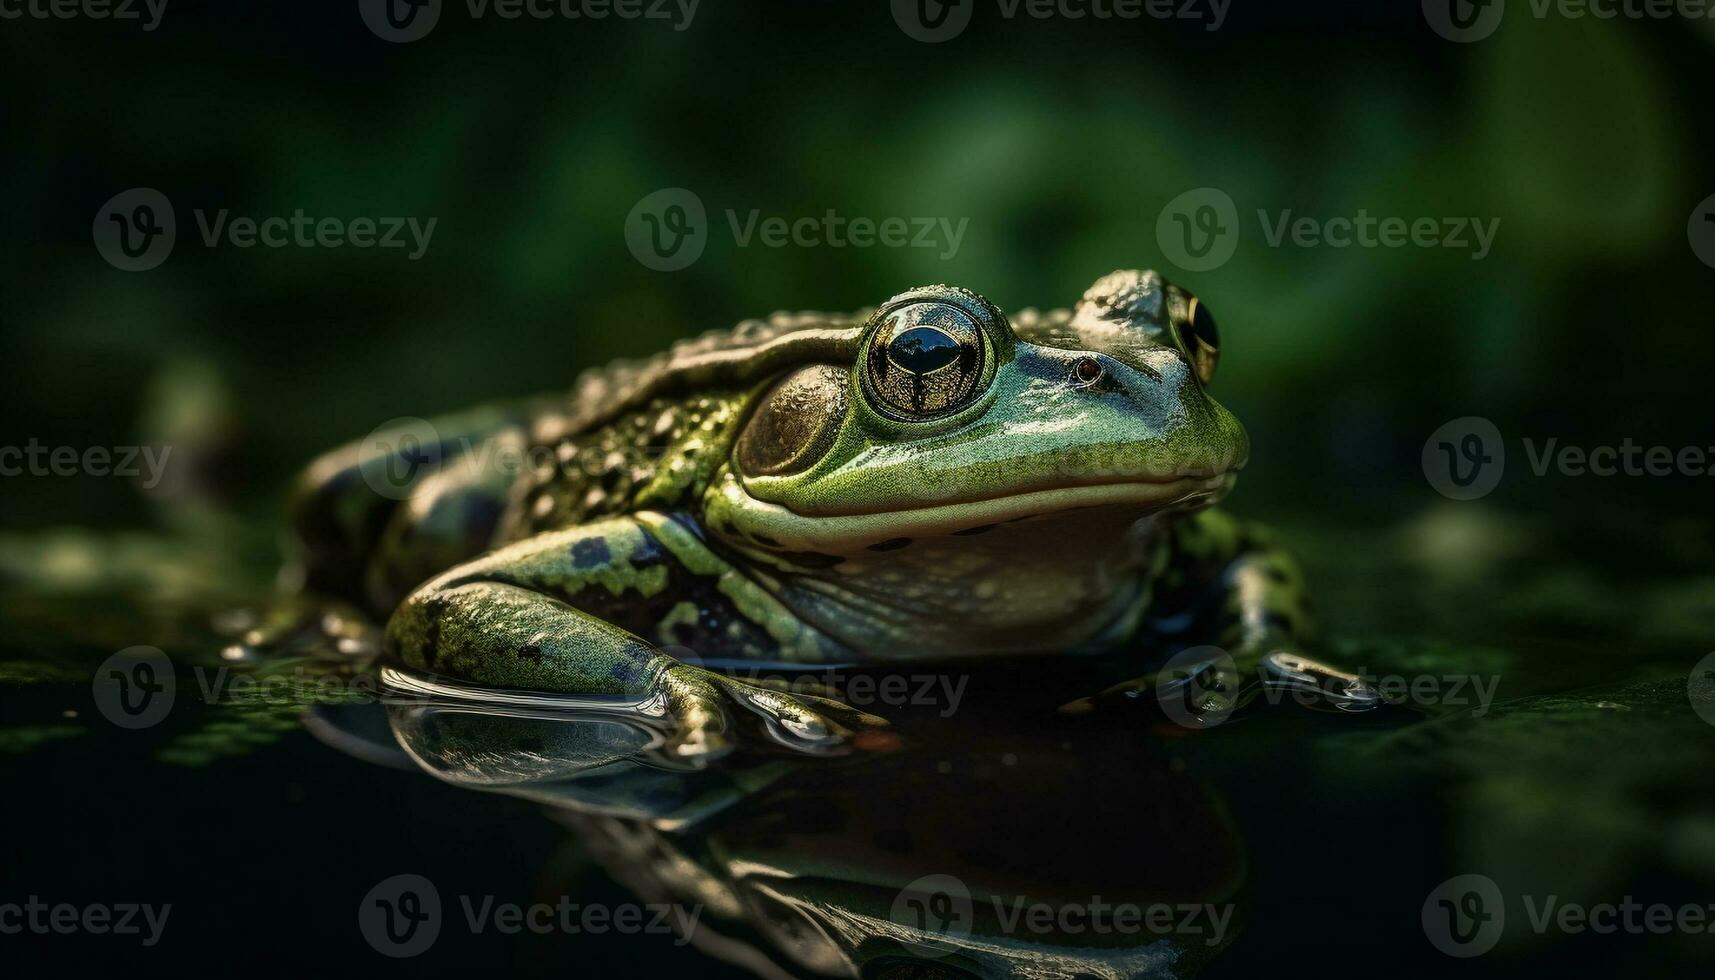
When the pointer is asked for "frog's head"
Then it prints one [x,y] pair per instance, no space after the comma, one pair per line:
[953,419]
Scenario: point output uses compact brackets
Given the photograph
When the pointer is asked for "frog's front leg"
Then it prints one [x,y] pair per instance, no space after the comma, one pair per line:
[1234,602]
[563,611]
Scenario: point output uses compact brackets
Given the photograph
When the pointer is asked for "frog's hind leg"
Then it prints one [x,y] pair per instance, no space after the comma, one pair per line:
[451,516]
[413,485]
[370,520]
[526,616]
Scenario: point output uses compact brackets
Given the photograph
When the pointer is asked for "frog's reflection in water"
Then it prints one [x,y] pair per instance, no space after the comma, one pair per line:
[964,848]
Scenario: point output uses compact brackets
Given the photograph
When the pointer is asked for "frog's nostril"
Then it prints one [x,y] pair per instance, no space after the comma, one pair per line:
[1087,371]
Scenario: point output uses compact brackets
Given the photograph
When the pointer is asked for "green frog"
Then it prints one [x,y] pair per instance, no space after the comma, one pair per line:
[930,480]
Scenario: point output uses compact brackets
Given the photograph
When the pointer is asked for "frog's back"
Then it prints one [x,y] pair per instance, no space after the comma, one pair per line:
[650,434]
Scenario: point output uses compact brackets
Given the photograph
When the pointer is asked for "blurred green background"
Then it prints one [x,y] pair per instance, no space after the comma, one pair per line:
[1059,140]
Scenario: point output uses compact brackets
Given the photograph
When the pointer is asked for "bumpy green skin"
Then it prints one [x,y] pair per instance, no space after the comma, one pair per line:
[1047,514]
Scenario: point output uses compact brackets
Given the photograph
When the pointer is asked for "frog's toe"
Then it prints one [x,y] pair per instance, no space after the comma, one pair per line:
[697,743]
[1198,692]
[702,725]
[804,723]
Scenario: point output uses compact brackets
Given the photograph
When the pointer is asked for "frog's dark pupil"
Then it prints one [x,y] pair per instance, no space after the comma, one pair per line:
[923,349]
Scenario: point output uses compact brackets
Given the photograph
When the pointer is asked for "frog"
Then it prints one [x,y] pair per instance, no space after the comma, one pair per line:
[929,480]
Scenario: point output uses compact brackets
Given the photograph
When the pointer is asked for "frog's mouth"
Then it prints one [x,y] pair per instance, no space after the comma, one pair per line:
[854,531]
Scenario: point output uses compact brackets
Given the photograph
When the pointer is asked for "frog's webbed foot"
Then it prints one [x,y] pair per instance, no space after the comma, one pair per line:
[700,703]
[297,626]
[1204,686]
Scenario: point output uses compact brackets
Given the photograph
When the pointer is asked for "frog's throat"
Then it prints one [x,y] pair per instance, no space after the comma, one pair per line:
[1067,580]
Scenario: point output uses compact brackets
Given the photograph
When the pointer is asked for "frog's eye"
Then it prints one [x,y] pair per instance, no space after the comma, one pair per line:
[1201,339]
[924,360]
[795,422]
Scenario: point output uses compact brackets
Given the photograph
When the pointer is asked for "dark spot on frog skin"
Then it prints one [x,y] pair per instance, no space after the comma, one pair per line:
[765,540]
[591,552]
[891,544]
[979,529]
[530,651]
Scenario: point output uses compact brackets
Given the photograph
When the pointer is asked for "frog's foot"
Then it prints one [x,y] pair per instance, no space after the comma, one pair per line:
[1199,688]
[701,702]
[1205,686]
[297,626]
